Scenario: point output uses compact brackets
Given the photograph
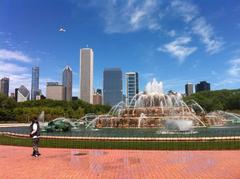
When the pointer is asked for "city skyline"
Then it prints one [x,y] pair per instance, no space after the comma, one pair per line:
[176,42]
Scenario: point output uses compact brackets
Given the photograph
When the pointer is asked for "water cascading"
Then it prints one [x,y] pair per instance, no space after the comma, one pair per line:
[142,116]
[179,125]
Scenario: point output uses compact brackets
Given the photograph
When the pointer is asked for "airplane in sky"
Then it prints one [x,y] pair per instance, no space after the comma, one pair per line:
[62,30]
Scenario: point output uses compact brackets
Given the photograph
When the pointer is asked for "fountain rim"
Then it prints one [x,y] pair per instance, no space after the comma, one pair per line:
[223,138]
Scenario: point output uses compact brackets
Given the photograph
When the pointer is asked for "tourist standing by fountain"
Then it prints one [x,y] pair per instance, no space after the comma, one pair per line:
[35,133]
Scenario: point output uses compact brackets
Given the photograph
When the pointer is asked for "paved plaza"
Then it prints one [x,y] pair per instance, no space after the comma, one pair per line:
[16,162]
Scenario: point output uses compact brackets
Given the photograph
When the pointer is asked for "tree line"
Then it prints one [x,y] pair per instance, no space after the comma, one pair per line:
[10,110]
[227,100]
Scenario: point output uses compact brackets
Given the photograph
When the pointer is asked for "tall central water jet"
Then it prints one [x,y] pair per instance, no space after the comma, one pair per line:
[154,87]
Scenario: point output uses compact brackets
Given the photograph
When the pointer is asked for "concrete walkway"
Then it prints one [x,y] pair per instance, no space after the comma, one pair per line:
[16,162]
[14,124]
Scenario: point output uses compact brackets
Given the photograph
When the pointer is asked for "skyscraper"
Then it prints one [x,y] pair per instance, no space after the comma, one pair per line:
[132,87]
[86,74]
[35,82]
[4,86]
[97,98]
[22,94]
[202,86]
[55,91]
[67,83]
[16,94]
[188,89]
[112,86]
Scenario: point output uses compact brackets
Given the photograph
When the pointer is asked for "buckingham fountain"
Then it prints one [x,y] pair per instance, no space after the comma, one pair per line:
[151,109]
[154,109]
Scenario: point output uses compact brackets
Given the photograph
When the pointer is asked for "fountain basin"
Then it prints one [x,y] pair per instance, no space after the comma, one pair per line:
[179,125]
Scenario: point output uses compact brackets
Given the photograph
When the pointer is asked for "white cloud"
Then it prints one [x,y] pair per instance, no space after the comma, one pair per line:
[178,48]
[205,31]
[20,75]
[227,83]
[198,24]
[14,55]
[11,68]
[172,33]
[231,78]
[234,70]
[133,15]
[17,73]
[187,10]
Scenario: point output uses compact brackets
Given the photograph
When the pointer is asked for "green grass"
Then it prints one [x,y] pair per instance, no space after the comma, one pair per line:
[145,145]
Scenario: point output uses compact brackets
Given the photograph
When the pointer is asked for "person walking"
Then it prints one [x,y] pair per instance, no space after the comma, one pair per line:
[35,133]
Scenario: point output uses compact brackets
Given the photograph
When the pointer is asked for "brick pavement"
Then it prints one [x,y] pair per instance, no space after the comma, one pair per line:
[16,162]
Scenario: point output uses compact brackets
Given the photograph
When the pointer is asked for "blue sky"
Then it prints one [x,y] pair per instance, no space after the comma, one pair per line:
[175,41]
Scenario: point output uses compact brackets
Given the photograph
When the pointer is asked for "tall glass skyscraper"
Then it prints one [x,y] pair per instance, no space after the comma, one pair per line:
[67,83]
[86,75]
[112,86]
[4,86]
[35,82]
[131,86]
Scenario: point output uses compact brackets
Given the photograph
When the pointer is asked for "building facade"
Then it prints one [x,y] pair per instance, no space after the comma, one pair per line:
[67,83]
[16,94]
[97,98]
[86,74]
[112,86]
[4,86]
[202,86]
[35,82]
[132,86]
[188,89]
[23,94]
[55,91]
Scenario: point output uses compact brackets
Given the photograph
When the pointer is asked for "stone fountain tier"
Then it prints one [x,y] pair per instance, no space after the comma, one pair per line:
[150,108]
[146,122]
[155,111]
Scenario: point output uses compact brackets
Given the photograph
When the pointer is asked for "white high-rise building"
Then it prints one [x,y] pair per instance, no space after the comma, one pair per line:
[131,86]
[86,74]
